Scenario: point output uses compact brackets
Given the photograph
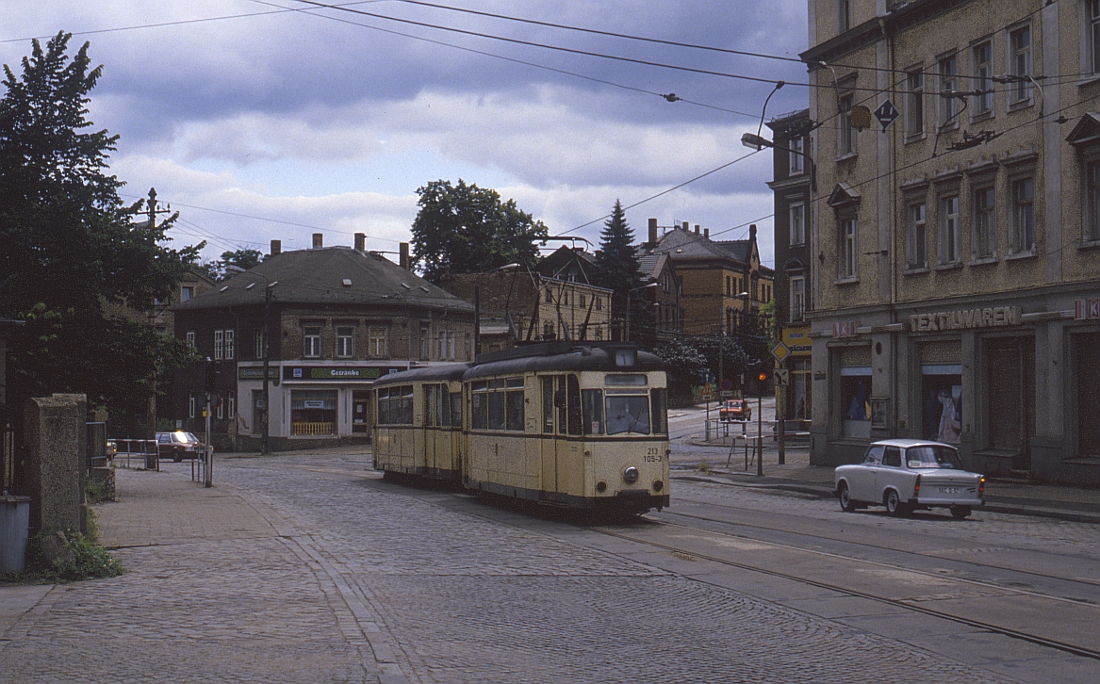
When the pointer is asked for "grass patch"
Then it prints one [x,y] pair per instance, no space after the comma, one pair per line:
[56,557]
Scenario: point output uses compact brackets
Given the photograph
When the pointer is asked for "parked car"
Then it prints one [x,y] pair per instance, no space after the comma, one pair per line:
[909,474]
[734,409]
[179,445]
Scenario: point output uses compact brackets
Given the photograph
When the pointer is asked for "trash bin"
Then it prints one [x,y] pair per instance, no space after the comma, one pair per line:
[15,521]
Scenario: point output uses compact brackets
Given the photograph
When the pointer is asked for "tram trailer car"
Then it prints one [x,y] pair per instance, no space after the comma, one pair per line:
[575,425]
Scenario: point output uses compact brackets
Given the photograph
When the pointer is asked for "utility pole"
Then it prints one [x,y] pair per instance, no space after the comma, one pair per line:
[267,355]
[151,408]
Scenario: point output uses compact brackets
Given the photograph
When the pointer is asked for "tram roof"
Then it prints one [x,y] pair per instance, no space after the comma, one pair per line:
[441,373]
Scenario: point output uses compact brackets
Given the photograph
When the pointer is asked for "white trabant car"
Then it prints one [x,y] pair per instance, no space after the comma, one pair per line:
[908,474]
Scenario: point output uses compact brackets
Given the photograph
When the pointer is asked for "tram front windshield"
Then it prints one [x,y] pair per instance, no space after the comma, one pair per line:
[627,414]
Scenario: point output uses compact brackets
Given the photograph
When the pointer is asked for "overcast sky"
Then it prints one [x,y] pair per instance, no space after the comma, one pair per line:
[277,119]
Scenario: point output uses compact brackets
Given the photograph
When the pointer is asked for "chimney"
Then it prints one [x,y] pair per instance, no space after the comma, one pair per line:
[706,233]
[687,227]
[276,247]
[404,256]
[317,240]
[696,228]
[360,242]
[652,231]
[752,232]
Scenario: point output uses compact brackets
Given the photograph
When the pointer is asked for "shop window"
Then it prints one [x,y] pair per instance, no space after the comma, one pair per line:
[360,411]
[1088,394]
[313,412]
[941,387]
[855,400]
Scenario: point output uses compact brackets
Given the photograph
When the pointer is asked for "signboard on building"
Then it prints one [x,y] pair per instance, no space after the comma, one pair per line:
[1086,309]
[257,373]
[334,373]
[798,340]
[963,319]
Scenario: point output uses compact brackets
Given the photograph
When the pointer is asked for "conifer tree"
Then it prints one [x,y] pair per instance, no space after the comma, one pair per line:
[617,269]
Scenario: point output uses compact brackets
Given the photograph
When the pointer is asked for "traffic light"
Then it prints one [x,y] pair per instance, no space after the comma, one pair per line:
[211,374]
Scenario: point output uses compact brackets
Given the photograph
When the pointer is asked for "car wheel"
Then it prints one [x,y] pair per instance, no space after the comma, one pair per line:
[176,457]
[894,506]
[960,512]
[845,496]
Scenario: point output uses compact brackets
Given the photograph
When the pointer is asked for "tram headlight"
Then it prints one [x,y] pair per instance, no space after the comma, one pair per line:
[630,475]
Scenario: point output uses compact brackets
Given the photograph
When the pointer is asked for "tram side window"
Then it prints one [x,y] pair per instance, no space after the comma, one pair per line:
[593,411]
[514,404]
[574,388]
[436,401]
[660,411]
[479,405]
[547,405]
[395,405]
[456,409]
[496,405]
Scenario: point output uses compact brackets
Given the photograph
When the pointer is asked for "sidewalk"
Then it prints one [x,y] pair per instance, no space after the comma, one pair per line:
[797,475]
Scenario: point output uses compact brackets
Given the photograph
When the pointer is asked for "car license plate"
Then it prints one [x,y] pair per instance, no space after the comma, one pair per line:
[951,490]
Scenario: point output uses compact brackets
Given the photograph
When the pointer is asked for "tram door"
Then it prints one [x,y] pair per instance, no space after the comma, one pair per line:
[562,465]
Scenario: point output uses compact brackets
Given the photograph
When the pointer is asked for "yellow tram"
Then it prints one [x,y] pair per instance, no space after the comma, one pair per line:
[578,425]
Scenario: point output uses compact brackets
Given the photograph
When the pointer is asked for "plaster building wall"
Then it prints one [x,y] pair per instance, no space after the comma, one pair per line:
[961,305]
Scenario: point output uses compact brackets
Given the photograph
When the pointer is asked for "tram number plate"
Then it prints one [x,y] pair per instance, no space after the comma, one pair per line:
[951,490]
[653,455]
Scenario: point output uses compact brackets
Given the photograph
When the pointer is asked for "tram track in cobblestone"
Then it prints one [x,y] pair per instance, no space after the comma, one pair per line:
[894,549]
[1039,640]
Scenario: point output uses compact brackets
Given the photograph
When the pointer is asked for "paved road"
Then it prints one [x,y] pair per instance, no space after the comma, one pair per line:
[311,569]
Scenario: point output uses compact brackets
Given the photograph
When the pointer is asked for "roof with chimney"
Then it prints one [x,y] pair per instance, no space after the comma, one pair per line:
[328,275]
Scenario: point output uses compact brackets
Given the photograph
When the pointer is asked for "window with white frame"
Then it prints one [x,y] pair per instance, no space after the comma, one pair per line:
[798,297]
[949,83]
[219,345]
[345,341]
[231,404]
[797,211]
[1020,64]
[796,156]
[1023,215]
[846,135]
[983,79]
[1091,230]
[311,341]
[843,15]
[846,249]
[190,405]
[949,230]
[914,103]
[230,344]
[1092,42]
[376,341]
[985,226]
[259,342]
[917,239]
[190,336]
[425,341]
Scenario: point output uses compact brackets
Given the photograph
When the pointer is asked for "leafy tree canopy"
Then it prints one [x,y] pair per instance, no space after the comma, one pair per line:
[466,229]
[72,255]
[242,258]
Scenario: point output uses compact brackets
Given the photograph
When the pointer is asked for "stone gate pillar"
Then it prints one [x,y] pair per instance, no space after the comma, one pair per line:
[54,447]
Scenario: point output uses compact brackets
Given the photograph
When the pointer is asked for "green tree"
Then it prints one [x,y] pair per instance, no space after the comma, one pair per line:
[241,258]
[617,269]
[466,229]
[73,260]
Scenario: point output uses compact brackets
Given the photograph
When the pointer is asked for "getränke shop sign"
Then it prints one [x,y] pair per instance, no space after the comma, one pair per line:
[965,319]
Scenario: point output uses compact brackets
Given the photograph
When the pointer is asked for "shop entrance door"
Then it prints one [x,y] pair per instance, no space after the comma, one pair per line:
[1010,411]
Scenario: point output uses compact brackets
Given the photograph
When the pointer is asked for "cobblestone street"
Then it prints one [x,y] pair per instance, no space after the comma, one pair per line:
[311,569]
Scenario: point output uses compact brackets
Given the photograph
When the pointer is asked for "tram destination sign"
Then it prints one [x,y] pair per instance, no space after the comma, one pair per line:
[963,319]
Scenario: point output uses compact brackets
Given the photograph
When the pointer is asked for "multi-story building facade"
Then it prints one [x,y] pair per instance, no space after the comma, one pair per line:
[957,290]
[719,280]
[556,301]
[330,321]
[659,318]
[793,185]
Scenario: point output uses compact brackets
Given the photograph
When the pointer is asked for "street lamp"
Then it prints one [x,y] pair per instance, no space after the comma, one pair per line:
[626,338]
[265,416]
[755,142]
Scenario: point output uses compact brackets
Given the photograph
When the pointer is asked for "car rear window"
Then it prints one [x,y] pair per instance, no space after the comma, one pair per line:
[932,456]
